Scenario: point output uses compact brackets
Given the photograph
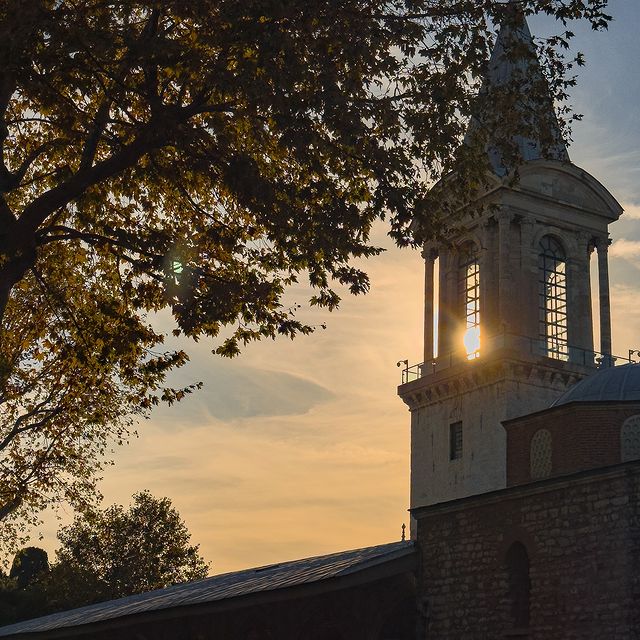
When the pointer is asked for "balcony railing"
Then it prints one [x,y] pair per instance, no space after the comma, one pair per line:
[522,344]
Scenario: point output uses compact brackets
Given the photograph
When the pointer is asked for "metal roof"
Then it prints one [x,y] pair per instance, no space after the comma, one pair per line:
[221,587]
[614,384]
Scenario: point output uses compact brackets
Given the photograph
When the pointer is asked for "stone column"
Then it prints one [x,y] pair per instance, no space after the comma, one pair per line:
[602,245]
[579,302]
[505,281]
[429,254]
[528,286]
[484,268]
[444,321]
[489,277]
[448,316]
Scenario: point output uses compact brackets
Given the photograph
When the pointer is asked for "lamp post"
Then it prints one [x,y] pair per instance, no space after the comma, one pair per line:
[405,371]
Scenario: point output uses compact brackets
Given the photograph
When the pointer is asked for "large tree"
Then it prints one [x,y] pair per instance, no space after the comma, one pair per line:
[198,157]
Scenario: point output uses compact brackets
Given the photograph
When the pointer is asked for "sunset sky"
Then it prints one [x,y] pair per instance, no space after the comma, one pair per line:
[302,448]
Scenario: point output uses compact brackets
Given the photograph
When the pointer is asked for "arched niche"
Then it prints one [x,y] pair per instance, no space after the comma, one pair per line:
[519,585]
[630,439]
[540,455]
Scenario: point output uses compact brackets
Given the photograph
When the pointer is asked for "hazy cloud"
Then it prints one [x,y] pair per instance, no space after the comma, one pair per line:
[627,250]
[632,211]
[234,391]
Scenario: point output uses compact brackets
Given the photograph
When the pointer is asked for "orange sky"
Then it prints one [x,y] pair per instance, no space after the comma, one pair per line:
[296,447]
[300,448]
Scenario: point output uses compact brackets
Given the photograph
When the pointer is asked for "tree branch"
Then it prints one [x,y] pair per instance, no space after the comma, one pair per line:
[7,88]
[91,144]
[31,426]
[12,180]
[156,134]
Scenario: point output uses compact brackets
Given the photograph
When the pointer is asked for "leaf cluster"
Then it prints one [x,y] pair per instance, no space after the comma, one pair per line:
[127,551]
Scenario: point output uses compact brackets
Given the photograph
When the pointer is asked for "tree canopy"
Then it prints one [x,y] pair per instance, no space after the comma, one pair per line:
[200,157]
[119,552]
[27,565]
[104,555]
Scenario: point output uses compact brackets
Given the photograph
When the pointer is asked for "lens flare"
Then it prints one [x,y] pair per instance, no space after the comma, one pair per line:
[471,342]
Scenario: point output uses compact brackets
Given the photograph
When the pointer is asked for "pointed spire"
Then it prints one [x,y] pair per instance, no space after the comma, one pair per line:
[515,106]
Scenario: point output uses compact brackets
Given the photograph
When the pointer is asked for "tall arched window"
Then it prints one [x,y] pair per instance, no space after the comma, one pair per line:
[469,287]
[517,560]
[552,271]
[630,439]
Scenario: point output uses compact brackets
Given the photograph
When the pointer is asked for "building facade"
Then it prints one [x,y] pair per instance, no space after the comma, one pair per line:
[556,559]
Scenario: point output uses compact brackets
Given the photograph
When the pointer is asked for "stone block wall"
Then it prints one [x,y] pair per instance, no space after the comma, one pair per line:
[481,395]
[581,536]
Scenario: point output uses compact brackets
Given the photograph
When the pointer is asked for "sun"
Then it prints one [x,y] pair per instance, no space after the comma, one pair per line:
[471,340]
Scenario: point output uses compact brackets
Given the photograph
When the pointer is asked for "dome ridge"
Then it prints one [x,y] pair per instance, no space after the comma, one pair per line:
[614,384]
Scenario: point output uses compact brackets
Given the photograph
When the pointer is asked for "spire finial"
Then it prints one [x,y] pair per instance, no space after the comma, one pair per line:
[404,527]
[515,109]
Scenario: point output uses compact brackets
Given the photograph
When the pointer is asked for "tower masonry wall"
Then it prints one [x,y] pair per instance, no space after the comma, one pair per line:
[580,533]
[480,399]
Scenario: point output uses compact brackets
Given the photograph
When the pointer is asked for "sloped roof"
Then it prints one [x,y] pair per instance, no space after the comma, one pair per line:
[614,384]
[514,66]
[222,587]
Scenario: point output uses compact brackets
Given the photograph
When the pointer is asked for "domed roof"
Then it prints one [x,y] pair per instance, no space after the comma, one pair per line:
[614,384]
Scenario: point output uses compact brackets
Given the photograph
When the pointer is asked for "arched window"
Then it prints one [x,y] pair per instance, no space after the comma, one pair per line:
[469,288]
[552,269]
[540,455]
[630,439]
[517,560]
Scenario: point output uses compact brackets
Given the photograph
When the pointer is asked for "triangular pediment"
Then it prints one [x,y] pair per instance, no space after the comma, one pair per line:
[566,184]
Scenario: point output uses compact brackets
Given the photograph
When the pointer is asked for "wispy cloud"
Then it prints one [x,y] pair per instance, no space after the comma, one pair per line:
[626,317]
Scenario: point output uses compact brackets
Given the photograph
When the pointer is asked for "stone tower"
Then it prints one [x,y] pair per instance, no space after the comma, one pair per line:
[513,328]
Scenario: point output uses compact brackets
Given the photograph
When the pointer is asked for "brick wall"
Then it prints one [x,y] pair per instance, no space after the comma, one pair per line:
[581,534]
[584,436]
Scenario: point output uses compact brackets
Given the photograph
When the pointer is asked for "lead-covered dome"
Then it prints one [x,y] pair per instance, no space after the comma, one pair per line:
[614,384]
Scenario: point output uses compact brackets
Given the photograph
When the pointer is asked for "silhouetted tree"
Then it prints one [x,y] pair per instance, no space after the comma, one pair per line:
[23,594]
[28,565]
[118,552]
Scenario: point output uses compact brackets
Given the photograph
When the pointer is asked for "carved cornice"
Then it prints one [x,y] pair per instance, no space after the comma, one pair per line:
[466,377]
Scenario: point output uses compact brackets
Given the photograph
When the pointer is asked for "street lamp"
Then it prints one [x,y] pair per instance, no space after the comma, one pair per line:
[405,371]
